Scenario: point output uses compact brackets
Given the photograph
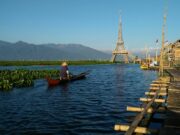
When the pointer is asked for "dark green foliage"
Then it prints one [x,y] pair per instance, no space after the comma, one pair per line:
[23,78]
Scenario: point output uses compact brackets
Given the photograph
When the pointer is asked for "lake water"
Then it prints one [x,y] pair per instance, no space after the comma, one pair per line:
[86,107]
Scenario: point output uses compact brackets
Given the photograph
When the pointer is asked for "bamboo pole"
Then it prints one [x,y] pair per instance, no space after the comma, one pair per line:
[150,110]
[161,65]
[161,82]
[149,99]
[153,93]
[139,117]
[159,85]
[138,109]
[156,88]
[141,130]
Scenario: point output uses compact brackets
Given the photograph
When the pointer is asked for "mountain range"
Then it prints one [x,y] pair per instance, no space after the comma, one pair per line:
[27,51]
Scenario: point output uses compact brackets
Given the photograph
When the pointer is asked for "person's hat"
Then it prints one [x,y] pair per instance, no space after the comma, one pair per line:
[64,64]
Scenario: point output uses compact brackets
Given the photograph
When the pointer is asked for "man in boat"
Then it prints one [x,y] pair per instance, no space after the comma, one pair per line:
[64,73]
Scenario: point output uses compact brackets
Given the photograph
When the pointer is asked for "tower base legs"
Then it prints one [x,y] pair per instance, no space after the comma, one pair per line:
[125,57]
[113,58]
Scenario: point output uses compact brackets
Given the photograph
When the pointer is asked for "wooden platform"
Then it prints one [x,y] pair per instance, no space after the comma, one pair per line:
[174,73]
[172,121]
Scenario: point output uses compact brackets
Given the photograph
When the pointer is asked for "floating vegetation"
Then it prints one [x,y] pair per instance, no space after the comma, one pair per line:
[30,63]
[23,78]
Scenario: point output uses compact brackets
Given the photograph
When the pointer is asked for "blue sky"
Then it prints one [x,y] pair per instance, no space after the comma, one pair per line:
[93,23]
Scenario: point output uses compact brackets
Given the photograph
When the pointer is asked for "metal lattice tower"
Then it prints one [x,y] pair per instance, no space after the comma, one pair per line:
[120,49]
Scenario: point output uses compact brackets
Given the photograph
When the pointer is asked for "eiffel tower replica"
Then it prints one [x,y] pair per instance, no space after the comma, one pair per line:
[120,49]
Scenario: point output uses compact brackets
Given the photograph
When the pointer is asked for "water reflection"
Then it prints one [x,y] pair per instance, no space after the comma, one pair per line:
[65,87]
[119,78]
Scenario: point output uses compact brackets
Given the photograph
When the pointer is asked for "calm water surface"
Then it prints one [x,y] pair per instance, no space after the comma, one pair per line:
[84,107]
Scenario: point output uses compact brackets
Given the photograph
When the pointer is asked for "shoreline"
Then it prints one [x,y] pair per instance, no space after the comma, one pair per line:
[49,63]
[46,63]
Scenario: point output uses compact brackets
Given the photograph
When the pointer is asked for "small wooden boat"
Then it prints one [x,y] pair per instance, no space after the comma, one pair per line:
[55,82]
[144,67]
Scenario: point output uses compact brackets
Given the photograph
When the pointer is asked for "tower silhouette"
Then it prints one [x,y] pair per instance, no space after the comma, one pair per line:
[120,49]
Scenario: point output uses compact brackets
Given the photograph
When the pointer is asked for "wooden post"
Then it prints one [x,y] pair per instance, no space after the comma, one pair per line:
[160,82]
[156,100]
[159,85]
[141,130]
[161,65]
[138,109]
[153,93]
[157,88]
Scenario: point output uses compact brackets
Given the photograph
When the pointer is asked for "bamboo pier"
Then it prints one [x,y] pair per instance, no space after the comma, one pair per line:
[151,101]
[162,97]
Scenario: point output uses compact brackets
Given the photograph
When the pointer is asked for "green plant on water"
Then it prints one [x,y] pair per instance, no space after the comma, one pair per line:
[5,85]
[23,78]
[42,63]
[19,83]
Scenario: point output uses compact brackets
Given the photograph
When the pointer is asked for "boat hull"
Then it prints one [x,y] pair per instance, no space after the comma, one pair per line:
[55,82]
[144,67]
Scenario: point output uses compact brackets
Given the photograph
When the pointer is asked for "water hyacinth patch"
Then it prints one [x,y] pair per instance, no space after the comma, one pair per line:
[23,78]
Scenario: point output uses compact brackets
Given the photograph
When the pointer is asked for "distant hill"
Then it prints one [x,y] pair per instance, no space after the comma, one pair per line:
[26,51]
